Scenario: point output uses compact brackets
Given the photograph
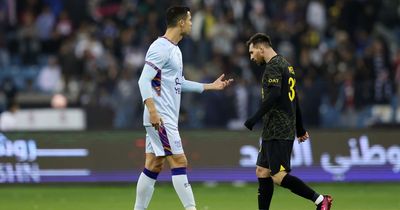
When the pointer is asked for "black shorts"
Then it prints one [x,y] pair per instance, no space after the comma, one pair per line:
[275,155]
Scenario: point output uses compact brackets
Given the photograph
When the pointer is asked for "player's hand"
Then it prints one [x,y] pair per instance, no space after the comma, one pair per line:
[303,138]
[155,120]
[249,124]
[220,84]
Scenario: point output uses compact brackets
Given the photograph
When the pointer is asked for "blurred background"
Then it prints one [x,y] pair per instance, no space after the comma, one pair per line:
[89,54]
[71,111]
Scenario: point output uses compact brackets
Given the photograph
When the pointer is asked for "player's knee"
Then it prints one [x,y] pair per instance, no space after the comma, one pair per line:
[158,167]
[262,172]
[177,161]
[276,180]
[182,162]
[155,167]
[278,177]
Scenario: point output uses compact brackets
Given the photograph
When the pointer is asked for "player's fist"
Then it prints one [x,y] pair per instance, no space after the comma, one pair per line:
[303,138]
[155,120]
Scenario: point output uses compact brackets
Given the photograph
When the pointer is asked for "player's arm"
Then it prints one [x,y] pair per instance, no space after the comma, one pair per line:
[274,84]
[272,96]
[218,84]
[155,58]
[145,88]
[301,133]
[191,86]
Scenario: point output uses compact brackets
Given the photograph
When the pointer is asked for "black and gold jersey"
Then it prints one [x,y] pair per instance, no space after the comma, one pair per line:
[279,122]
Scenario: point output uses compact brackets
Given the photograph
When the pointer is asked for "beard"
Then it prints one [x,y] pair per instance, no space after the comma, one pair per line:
[260,63]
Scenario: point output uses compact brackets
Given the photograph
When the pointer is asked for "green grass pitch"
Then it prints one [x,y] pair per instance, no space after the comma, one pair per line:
[362,196]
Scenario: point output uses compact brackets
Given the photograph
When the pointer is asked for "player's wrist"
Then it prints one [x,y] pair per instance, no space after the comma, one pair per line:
[250,123]
[208,86]
[153,112]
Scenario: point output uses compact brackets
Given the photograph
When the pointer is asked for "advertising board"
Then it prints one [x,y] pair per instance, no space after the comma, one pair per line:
[118,156]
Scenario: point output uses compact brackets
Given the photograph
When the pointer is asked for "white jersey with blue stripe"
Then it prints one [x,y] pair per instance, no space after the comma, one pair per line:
[165,57]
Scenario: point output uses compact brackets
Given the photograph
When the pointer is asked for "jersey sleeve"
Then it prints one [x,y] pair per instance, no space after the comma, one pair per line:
[145,81]
[300,131]
[191,86]
[156,58]
[274,77]
[271,98]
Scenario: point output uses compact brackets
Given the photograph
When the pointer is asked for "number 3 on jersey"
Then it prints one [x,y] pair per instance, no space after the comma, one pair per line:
[292,93]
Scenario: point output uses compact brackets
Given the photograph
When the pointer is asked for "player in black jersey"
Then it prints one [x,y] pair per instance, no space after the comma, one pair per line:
[282,120]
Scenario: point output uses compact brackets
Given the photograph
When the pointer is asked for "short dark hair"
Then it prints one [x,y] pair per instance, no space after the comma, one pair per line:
[176,13]
[259,38]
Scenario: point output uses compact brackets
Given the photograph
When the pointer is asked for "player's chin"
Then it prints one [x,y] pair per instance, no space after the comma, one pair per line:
[261,63]
[186,33]
[256,62]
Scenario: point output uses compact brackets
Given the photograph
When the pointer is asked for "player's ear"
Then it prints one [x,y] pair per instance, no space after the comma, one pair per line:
[261,50]
[181,22]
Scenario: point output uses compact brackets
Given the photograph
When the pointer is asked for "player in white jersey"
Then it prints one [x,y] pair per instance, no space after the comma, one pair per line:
[161,84]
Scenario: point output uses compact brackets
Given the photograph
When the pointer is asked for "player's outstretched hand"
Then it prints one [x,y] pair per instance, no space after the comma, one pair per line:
[219,84]
[303,138]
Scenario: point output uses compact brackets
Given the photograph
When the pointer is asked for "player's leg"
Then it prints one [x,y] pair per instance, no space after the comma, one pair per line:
[298,187]
[280,169]
[147,180]
[178,164]
[265,183]
[155,157]
[265,188]
[177,161]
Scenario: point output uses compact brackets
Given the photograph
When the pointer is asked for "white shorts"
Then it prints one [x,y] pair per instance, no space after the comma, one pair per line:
[166,141]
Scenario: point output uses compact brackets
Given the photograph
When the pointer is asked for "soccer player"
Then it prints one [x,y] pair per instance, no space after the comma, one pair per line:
[161,84]
[281,116]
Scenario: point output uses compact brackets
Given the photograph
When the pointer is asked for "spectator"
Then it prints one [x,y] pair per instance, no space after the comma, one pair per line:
[4,55]
[223,33]
[45,23]
[89,47]
[29,45]
[49,80]
[257,16]
[64,25]
[9,88]
[8,119]
[332,45]
[381,68]
[316,15]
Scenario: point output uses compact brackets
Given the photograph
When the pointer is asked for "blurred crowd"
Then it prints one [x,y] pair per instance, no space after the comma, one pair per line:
[345,53]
